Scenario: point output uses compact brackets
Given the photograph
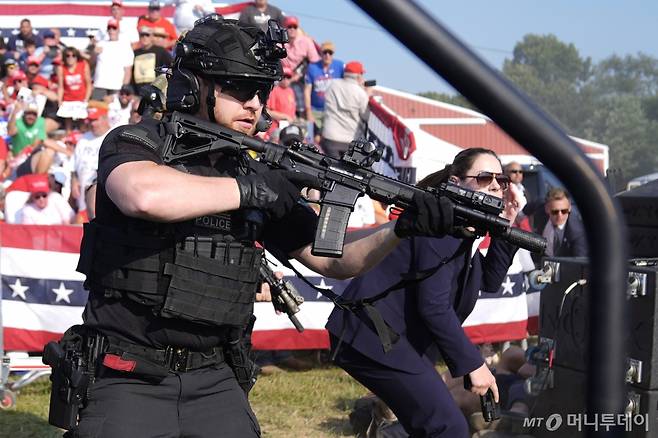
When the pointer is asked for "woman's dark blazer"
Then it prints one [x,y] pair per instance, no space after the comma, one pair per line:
[427,315]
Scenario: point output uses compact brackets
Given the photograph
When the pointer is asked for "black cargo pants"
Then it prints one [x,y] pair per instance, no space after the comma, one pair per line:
[203,403]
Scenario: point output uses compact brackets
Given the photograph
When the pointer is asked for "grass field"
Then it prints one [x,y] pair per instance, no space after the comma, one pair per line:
[311,404]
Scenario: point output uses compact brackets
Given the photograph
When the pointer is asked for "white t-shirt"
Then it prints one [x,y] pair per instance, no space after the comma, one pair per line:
[85,162]
[119,116]
[186,13]
[363,214]
[57,212]
[110,64]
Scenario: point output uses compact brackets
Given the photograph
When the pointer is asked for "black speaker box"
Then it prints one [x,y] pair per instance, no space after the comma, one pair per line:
[568,327]
[640,208]
[564,404]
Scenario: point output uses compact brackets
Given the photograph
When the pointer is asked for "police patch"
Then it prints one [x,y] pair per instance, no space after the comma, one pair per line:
[220,222]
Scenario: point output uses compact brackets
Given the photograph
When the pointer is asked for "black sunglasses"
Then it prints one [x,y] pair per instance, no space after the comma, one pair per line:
[515,171]
[485,178]
[291,27]
[327,52]
[40,195]
[245,90]
[563,211]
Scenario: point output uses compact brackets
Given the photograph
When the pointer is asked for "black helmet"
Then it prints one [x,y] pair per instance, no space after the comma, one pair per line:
[220,47]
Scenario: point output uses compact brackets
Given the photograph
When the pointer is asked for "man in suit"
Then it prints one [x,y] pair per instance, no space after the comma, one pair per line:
[564,231]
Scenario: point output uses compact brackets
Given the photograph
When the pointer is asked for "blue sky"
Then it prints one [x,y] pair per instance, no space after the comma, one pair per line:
[598,28]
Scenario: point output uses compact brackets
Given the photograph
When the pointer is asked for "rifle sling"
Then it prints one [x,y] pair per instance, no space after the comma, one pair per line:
[386,334]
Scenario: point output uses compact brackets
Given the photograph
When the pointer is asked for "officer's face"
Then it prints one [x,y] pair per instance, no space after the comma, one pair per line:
[558,210]
[485,175]
[236,114]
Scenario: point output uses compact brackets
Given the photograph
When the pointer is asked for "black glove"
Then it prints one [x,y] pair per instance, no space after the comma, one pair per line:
[274,191]
[427,216]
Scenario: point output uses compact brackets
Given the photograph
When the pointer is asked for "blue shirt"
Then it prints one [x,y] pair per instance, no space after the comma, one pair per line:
[320,78]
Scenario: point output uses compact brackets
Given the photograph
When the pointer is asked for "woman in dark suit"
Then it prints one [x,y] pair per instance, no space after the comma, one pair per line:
[428,315]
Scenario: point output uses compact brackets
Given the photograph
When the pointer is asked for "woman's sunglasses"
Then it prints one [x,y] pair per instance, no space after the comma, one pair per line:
[245,90]
[486,178]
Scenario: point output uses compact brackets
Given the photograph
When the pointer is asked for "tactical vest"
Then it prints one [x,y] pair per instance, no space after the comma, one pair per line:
[204,270]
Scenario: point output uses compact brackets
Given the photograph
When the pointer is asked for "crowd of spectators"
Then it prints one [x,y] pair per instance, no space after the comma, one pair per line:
[57,102]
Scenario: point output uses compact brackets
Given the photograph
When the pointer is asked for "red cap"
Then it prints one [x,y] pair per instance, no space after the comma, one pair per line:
[117,3]
[17,76]
[33,60]
[290,21]
[113,23]
[354,67]
[94,113]
[287,71]
[39,183]
[73,137]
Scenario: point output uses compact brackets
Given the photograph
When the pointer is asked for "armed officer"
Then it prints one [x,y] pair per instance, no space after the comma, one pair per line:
[171,258]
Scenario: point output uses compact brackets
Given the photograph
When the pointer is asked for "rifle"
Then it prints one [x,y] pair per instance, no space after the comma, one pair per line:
[340,181]
[285,297]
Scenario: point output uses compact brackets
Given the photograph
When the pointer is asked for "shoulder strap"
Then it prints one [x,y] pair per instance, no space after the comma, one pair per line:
[386,334]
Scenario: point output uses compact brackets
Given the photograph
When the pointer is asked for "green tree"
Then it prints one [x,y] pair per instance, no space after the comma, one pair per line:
[555,76]
[621,123]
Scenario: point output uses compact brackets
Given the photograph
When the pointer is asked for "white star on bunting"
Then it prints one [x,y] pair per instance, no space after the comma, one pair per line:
[62,293]
[508,286]
[322,285]
[71,32]
[18,289]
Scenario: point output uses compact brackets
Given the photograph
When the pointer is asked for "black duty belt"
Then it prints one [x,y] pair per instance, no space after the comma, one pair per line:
[128,357]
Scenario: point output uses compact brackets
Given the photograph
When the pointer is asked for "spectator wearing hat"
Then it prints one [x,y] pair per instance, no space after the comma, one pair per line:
[28,131]
[160,37]
[85,157]
[126,32]
[301,52]
[113,64]
[42,93]
[345,110]
[49,54]
[154,18]
[121,107]
[74,87]
[29,51]
[259,14]
[318,77]
[16,81]
[10,65]
[44,207]
[189,11]
[16,43]
[281,104]
[147,59]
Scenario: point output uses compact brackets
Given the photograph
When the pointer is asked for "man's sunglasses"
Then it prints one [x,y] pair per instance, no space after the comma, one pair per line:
[292,27]
[564,211]
[486,178]
[516,171]
[245,90]
[40,195]
[327,52]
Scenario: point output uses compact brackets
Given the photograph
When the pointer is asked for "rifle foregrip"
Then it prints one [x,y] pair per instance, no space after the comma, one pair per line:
[524,239]
[330,233]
